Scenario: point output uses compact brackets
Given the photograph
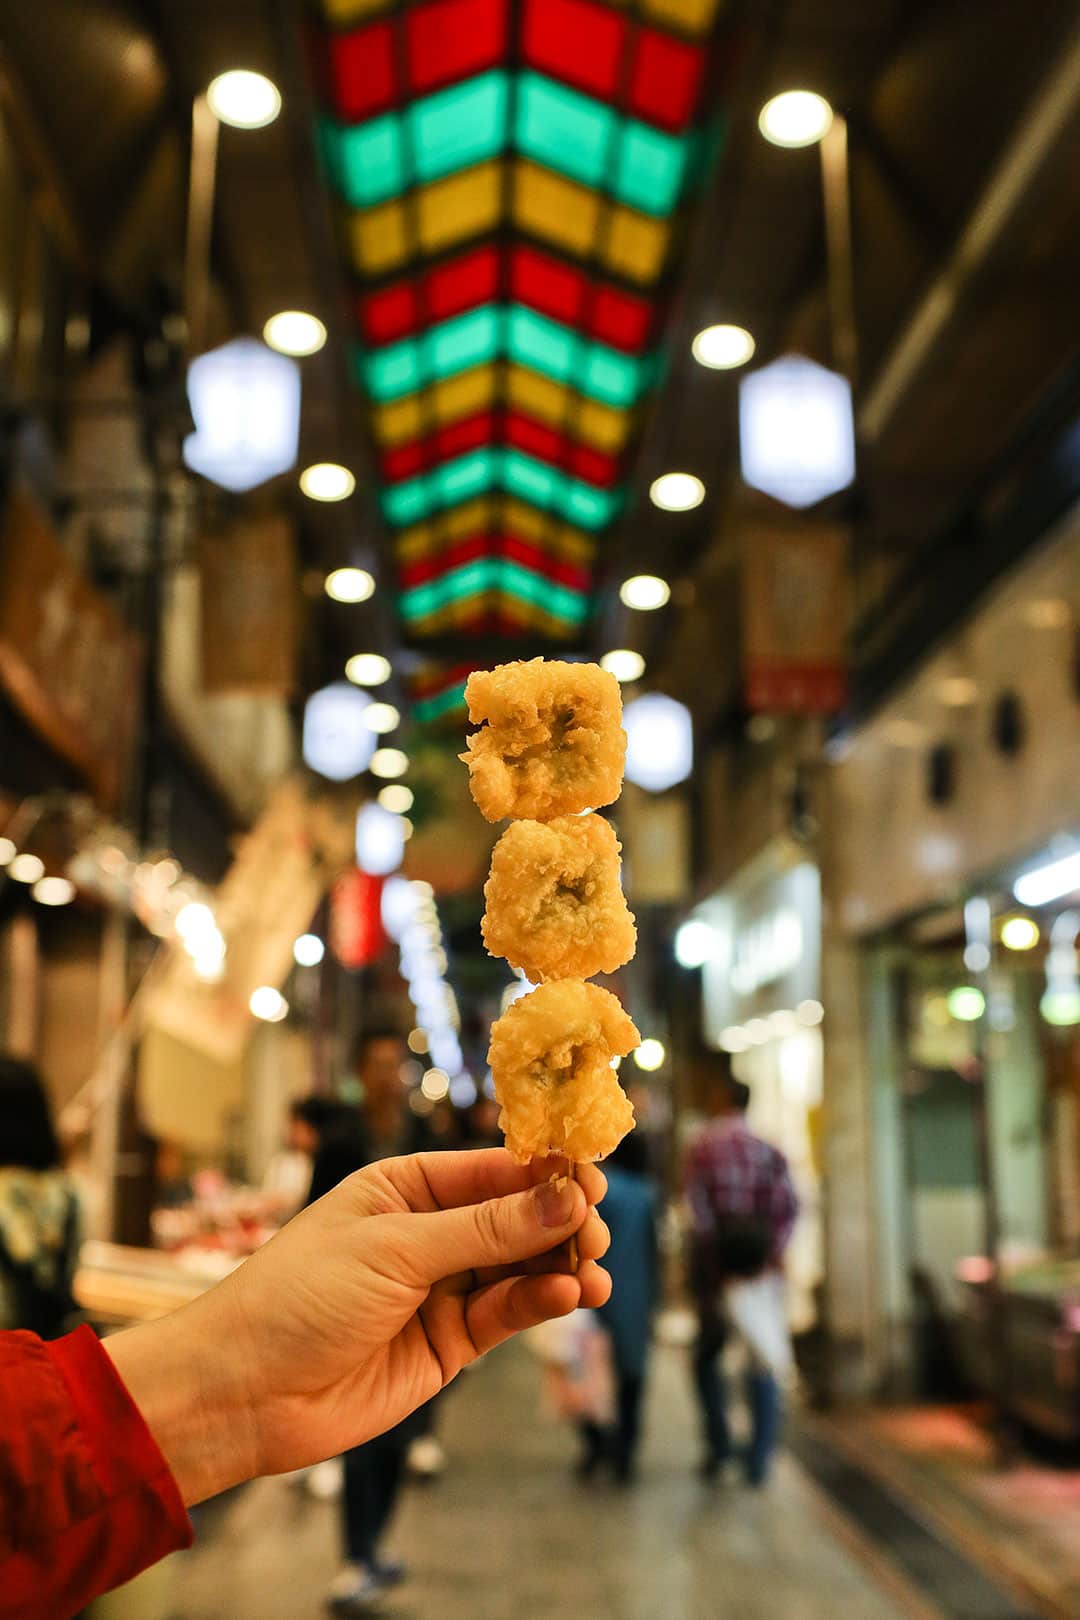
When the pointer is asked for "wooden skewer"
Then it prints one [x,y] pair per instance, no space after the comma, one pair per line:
[571,1171]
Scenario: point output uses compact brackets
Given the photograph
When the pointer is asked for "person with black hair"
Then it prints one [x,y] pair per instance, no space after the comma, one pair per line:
[743,1208]
[39,1210]
[287,1181]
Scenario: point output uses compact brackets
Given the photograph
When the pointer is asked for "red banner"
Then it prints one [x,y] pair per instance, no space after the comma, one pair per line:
[357,936]
[795,617]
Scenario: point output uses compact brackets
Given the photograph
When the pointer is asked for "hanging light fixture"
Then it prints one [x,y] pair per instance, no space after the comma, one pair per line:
[796,431]
[659,742]
[245,402]
[337,740]
[795,118]
[293,331]
[243,99]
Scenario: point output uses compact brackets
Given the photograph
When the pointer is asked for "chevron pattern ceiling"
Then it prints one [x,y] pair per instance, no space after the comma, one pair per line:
[510,175]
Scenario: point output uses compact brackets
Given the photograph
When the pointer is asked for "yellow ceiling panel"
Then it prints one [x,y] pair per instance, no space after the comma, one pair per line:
[459,396]
[636,244]
[537,396]
[397,422]
[344,12]
[600,426]
[472,517]
[415,542]
[554,208]
[571,543]
[527,521]
[377,238]
[458,207]
[693,15]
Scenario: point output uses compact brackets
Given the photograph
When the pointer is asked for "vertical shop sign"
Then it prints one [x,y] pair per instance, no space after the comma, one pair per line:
[67,660]
[248,607]
[795,598]
[357,936]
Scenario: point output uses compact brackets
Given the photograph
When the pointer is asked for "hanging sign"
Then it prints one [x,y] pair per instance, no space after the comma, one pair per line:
[357,936]
[795,617]
[68,661]
[248,608]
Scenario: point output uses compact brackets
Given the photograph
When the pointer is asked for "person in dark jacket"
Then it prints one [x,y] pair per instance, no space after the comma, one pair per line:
[381,1127]
[630,1212]
[39,1210]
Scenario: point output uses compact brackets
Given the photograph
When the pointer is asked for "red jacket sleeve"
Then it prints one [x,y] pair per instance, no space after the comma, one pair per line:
[86,1498]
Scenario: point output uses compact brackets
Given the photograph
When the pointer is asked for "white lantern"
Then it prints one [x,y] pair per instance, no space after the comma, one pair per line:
[380,840]
[659,742]
[796,431]
[245,400]
[337,740]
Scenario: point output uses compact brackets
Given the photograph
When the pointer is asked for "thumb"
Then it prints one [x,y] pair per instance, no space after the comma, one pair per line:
[497,1232]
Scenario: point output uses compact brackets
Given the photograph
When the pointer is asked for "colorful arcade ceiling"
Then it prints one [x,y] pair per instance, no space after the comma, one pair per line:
[511,175]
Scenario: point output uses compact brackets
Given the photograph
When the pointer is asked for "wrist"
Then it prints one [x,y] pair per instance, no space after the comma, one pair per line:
[184,1381]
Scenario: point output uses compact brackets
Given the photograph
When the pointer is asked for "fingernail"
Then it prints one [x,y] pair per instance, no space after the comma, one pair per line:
[556,1202]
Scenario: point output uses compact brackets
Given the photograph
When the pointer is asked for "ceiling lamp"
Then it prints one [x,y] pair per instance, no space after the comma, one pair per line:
[26,868]
[308,950]
[367,669]
[268,1004]
[349,585]
[795,118]
[796,431]
[382,717]
[243,99]
[380,841]
[327,481]
[54,891]
[650,1055]
[722,348]
[624,664]
[1019,933]
[659,742]
[337,741]
[695,943]
[7,851]
[245,402]
[389,762]
[293,331]
[397,797]
[645,592]
[966,1003]
[1046,883]
[676,492]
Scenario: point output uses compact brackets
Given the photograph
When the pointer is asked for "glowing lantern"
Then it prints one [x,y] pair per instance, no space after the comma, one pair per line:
[659,742]
[245,400]
[338,742]
[796,431]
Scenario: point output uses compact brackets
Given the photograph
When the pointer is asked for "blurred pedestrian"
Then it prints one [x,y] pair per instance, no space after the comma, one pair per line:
[39,1210]
[381,1126]
[287,1181]
[630,1213]
[743,1208]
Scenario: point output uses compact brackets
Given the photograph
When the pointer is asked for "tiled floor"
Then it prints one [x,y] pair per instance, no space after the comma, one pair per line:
[509,1535]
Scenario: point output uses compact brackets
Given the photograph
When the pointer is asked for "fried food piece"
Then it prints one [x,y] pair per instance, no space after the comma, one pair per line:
[555,908]
[552,741]
[550,1060]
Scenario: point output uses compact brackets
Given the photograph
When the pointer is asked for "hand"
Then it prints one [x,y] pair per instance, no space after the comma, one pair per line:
[361,1309]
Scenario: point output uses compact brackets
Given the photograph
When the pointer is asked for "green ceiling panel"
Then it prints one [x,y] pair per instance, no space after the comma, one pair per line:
[650,168]
[459,126]
[433,708]
[567,131]
[509,470]
[366,160]
[498,574]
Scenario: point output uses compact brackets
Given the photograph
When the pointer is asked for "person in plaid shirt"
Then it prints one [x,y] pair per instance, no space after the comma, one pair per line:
[743,1208]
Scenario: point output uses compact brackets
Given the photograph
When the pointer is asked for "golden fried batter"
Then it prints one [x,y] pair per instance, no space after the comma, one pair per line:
[554,905]
[550,1059]
[552,742]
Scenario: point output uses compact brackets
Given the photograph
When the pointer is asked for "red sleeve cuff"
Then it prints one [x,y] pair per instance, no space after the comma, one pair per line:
[88,1498]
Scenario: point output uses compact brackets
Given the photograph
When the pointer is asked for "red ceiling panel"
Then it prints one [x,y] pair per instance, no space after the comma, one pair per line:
[621,319]
[462,284]
[361,72]
[665,79]
[449,39]
[575,41]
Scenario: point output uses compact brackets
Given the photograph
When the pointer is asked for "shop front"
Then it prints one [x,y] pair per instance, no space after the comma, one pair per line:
[760,1003]
[956,872]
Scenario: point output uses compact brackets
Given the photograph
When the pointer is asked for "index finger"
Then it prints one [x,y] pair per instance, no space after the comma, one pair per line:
[452,1180]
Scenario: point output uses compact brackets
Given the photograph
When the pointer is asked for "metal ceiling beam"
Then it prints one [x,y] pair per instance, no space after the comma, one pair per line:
[1039,132]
